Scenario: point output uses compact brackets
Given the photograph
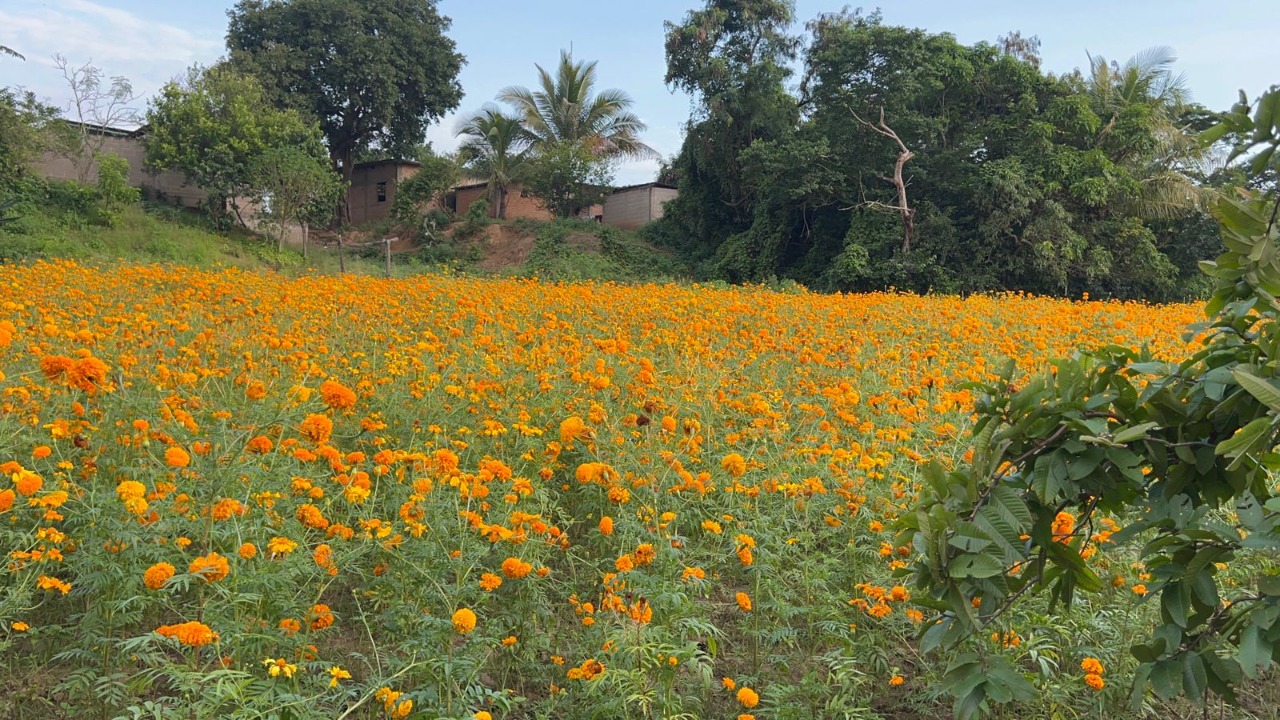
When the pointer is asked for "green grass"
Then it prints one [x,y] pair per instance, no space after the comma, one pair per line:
[149,233]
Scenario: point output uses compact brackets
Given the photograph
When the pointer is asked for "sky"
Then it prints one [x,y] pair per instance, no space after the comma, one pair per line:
[1222,45]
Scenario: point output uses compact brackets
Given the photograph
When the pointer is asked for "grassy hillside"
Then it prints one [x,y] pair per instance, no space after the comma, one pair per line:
[54,222]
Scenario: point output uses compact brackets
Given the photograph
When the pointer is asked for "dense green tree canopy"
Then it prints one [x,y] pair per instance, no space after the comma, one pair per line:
[372,72]
[217,126]
[1013,179]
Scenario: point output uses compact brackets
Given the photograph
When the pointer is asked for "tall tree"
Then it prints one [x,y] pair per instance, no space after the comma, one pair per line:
[733,57]
[494,147]
[563,109]
[295,186]
[216,127]
[373,72]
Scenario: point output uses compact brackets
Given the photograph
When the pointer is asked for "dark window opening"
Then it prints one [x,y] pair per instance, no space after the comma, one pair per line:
[382,192]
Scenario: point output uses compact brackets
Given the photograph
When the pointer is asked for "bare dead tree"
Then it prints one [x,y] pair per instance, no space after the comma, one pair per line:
[903,208]
[95,104]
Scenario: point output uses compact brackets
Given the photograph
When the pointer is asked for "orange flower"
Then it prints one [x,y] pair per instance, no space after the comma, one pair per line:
[1095,681]
[744,601]
[897,680]
[464,620]
[317,428]
[176,457]
[516,568]
[157,575]
[321,617]
[606,525]
[336,395]
[490,582]
[191,634]
[211,568]
[44,582]
[734,464]
[247,551]
[748,697]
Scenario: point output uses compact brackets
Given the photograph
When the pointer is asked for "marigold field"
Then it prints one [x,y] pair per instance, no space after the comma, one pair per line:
[229,494]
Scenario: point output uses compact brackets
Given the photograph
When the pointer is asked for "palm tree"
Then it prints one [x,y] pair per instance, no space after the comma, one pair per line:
[10,52]
[495,147]
[1147,81]
[564,109]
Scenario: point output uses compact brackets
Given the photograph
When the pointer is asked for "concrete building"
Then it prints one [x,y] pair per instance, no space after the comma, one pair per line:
[636,205]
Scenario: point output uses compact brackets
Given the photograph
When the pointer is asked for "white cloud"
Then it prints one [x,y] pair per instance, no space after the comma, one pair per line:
[119,42]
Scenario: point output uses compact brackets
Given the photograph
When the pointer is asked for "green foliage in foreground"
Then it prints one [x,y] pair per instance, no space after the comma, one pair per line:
[1185,453]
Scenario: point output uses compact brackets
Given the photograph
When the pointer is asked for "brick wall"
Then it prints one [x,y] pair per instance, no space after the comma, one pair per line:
[171,186]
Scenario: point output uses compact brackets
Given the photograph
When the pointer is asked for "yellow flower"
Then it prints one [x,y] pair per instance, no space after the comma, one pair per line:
[748,697]
[337,674]
[279,666]
[20,626]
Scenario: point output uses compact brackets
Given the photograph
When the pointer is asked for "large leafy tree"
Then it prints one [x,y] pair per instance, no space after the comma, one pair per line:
[216,127]
[372,72]
[495,147]
[734,58]
[565,108]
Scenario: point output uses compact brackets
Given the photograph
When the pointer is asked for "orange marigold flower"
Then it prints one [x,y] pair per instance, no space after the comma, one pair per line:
[44,582]
[191,634]
[464,620]
[490,582]
[312,517]
[321,617]
[176,457]
[744,601]
[748,697]
[1091,665]
[281,546]
[211,568]
[41,452]
[734,464]
[1139,589]
[260,445]
[644,554]
[247,551]
[290,626]
[897,680]
[7,498]
[157,575]
[1095,681]
[317,428]
[606,525]
[516,568]
[336,395]
[27,483]
[728,684]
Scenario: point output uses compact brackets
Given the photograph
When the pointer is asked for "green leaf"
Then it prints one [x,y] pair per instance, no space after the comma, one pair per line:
[1175,604]
[976,566]
[1265,392]
[1136,432]
[1166,678]
[1194,678]
[1255,651]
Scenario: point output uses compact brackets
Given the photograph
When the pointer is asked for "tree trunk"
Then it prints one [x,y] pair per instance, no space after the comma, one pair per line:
[502,203]
[342,259]
[306,235]
[904,210]
[344,162]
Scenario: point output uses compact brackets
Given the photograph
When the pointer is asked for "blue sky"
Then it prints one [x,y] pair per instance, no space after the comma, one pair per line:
[1222,46]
